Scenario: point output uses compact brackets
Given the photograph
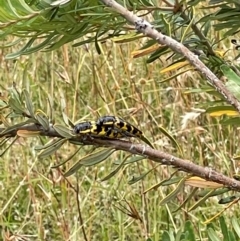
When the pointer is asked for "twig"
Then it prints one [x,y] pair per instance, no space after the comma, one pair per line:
[143,150]
[146,28]
[167,159]
[80,214]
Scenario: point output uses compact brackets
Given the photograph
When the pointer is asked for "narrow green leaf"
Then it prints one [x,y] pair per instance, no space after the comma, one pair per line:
[20,52]
[50,13]
[236,227]
[73,169]
[114,172]
[8,147]
[48,144]
[131,160]
[52,148]
[189,230]
[63,131]
[171,181]
[217,192]
[167,26]
[42,119]
[144,139]
[225,15]
[212,235]
[187,199]
[224,228]
[232,236]
[75,32]
[60,2]
[16,95]
[203,89]
[231,121]
[89,40]
[97,157]
[157,54]
[137,179]
[28,103]
[15,105]
[165,182]
[40,46]
[125,38]
[3,141]
[99,33]
[233,88]
[66,120]
[68,159]
[201,201]
[165,132]
[230,74]
[173,76]
[76,142]
[21,7]
[51,104]
[165,236]
[174,193]
[227,199]
[90,160]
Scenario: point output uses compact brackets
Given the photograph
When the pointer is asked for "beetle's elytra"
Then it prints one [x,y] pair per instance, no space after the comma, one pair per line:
[107,126]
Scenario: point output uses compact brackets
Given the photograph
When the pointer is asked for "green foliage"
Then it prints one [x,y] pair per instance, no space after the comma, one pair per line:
[56,89]
[186,234]
[92,159]
[227,233]
[55,25]
[48,25]
[227,16]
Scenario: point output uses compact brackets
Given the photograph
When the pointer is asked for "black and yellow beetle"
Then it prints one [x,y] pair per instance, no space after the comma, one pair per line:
[113,133]
[93,129]
[118,123]
[83,127]
[109,127]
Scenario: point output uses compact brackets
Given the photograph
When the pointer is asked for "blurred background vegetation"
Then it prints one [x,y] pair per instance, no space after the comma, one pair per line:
[81,60]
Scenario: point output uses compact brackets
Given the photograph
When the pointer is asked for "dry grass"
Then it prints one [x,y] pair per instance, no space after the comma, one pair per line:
[37,203]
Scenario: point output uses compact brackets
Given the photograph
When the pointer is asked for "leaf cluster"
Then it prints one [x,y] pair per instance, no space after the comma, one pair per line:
[227,16]
[47,26]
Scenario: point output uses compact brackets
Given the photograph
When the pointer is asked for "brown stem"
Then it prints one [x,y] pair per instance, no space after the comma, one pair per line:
[143,150]
[80,214]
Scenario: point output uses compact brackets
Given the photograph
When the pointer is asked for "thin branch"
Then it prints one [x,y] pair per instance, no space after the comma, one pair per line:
[158,156]
[146,28]
[80,214]
[206,173]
